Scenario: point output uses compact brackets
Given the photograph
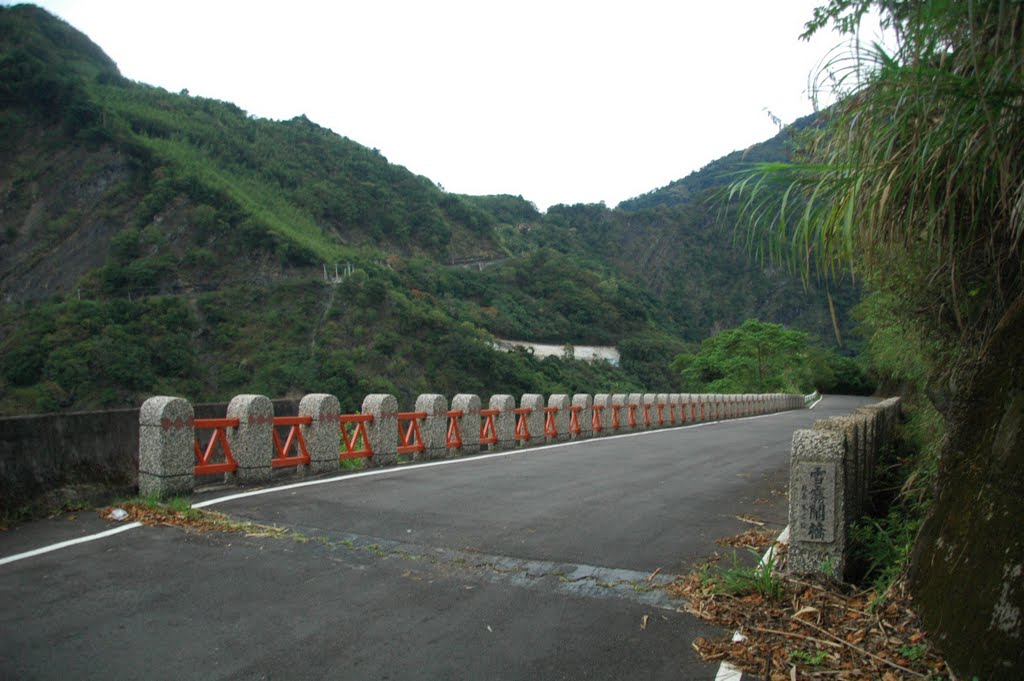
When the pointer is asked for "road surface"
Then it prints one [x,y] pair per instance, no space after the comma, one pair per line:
[533,564]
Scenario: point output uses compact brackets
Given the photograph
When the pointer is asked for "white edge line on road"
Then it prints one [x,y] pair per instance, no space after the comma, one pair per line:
[70,542]
[727,672]
[352,476]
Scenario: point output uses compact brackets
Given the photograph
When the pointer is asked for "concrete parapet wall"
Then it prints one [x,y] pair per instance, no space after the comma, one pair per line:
[830,468]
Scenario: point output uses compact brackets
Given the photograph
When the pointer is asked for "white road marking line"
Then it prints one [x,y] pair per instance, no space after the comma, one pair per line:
[70,542]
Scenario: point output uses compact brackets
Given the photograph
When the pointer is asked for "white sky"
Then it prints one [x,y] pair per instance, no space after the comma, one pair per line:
[559,101]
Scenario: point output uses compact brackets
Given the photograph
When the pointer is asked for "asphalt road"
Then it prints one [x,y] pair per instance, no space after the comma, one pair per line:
[528,565]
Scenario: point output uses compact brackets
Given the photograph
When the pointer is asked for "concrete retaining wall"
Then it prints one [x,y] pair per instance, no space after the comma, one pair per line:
[830,468]
[49,459]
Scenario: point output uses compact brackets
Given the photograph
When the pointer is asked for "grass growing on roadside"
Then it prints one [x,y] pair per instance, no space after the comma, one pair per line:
[738,578]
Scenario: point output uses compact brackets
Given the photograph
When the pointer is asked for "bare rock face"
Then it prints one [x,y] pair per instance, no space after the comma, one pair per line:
[968,562]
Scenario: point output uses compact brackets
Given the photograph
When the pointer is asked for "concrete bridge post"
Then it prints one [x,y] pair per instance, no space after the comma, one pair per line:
[650,404]
[635,406]
[585,416]
[252,442]
[817,506]
[434,428]
[166,452]
[561,416]
[382,431]
[663,406]
[603,406]
[620,404]
[505,421]
[323,435]
[535,419]
[469,422]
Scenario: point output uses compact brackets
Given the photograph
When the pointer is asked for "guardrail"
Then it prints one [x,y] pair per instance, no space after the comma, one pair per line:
[250,443]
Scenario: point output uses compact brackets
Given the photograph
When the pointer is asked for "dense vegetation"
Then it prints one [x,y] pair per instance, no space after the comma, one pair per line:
[916,183]
[158,242]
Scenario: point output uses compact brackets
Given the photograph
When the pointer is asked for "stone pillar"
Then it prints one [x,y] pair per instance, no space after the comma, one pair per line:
[651,405]
[585,416]
[252,443]
[469,422]
[663,406]
[635,404]
[166,447]
[382,431]
[683,408]
[603,405]
[621,402]
[535,419]
[561,416]
[434,428]
[323,435]
[816,503]
[505,421]
[847,426]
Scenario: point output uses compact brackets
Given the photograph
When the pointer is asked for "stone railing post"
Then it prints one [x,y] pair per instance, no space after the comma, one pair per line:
[847,425]
[434,428]
[505,421]
[252,442]
[684,408]
[603,407]
[535,419]
[562,402]
[469,422]
[621,402]
[635,404]
[650,404]
[817,505]
[663,411]
[166,447]
[323,435]
[382,431]
[585,416]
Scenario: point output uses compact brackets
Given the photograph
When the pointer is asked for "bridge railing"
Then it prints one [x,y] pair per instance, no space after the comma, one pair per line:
[253,445]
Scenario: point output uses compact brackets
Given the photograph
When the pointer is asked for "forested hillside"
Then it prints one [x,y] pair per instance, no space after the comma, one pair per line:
[155,242]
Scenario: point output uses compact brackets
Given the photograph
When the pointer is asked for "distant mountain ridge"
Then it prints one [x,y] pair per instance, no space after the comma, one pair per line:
[153,241]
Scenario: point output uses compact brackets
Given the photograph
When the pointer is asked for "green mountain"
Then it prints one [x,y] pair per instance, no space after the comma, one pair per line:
[154,242]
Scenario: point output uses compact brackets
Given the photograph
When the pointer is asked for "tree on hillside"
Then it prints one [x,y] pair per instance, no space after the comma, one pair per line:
[756,357]
[916,182]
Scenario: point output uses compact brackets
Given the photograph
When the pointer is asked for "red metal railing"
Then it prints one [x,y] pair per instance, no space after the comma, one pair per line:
[632,414]
[574,419]
[205,465]
[595,419]
[282,459]
[522,428]
[615,415]
[488,432]
[355,439]
[410,439]
[647,415]
[550,427]
[453,438]
[661,414]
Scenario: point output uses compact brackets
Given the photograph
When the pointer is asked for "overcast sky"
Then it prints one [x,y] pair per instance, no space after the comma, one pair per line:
[559,101]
